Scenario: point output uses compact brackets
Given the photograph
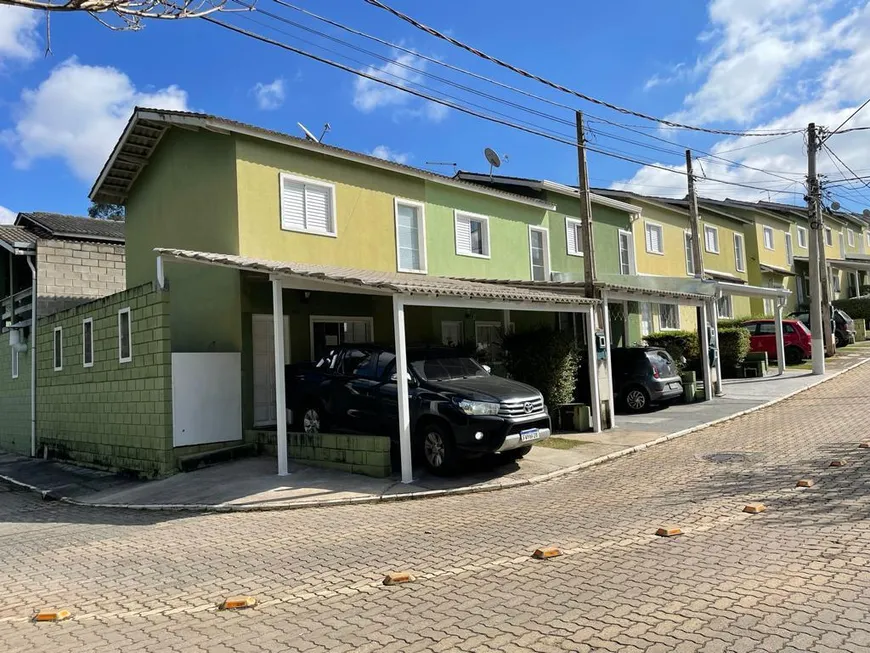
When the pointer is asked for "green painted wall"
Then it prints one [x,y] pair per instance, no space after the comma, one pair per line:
[112,415]
[186,198]
[14,400]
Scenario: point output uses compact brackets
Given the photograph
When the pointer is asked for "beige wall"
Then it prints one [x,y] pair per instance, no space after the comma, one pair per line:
[71,272]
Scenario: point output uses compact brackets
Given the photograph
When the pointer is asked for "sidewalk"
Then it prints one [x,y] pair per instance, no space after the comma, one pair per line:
[253,484]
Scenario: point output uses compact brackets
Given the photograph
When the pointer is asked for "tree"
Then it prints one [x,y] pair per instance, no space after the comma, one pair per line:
[101,211]
[130,12]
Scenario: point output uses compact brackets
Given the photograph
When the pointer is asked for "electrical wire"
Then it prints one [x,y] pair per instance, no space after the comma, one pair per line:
[459,107]
[834,158]
[843,163]
[559,87]
[842,124]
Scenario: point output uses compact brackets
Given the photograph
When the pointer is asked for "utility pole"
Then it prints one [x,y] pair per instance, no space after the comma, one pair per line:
[830,348]
[694,218]
[814,200]
[585,210]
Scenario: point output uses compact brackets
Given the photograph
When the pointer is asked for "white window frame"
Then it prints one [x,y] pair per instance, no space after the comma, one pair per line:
[460,328]
[15,362]
[474,216]
[850,237]
[689,252]
[85,322]
[802,237]
[632,264]
[789,248]
[646,241]
[739,261]
[338,319]
[57,348]
[333,218]
[868,239]
[546,233]
[768,230]
[715,231]
[121,358]
[729,302]
[421,234]
[829,237]
[842,243]
[676,312]
[573,224]
[835,282]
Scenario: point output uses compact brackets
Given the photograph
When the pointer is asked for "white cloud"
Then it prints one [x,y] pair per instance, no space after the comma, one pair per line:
[77,115]
[269,96]
[384,152]
[824,88]
[370,95]
[7,216]
[18,36]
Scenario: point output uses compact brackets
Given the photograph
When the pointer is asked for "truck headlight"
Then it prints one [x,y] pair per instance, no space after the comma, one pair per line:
[477,407]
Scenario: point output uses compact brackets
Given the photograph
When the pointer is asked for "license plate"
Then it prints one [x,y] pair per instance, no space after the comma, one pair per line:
[528,435]
[676,386]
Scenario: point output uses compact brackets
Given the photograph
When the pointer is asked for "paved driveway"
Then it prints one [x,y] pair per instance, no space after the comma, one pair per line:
[794,578]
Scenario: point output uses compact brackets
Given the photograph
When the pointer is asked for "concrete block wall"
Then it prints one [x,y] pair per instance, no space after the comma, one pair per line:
[71,272]
[359,454]
[14,400]
[113,415]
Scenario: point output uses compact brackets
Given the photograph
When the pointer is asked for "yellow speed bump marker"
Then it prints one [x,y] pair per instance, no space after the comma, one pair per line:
[51,615]
[544,553]
[238,603]
[805,482]
[838,463]
[754,508]
[399,577]
[669,531]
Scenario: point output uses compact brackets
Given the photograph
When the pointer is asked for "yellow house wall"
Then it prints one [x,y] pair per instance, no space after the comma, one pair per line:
[672,263]
[724,260]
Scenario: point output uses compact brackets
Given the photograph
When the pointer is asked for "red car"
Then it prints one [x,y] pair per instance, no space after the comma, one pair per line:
[798,343]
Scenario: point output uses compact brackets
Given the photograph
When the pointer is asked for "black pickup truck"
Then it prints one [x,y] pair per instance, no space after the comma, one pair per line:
[458,409]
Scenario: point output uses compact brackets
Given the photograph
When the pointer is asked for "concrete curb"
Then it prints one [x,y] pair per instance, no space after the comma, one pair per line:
[426,494]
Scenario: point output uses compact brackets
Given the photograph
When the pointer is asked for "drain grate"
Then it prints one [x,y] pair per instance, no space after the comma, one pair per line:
[727,457]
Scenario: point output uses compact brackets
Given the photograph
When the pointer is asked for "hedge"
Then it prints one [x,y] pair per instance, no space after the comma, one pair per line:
[546,360]
[678,344]
[858,308]
[733,346]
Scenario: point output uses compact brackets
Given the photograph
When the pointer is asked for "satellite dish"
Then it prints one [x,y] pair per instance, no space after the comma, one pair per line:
[493,158]
[835,206]
[866,213]
[308,134]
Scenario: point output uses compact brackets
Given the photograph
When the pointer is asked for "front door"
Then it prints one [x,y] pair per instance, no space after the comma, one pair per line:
[263,338]
[617,324]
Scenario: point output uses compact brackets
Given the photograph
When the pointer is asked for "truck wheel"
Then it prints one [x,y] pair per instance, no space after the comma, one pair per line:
[438,449]
[313,421]
[519,452]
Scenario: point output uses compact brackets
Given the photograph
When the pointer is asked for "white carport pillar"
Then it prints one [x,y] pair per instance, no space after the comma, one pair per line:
[714,309]
[280,396]
[780,340]
[594,396]
[705,353]
[402,389]
[611,402]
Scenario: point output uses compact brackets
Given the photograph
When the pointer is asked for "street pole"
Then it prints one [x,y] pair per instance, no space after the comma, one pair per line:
[694,219]
[585,210]
[815,236]
[830,348]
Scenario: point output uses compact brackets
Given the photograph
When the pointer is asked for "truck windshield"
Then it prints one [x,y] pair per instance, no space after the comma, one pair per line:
[444,369]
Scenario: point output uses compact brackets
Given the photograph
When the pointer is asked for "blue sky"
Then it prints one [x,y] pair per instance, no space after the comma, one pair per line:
[725,63]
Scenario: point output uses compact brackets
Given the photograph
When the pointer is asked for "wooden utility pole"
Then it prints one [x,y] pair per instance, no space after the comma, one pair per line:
[816,245]
[585,210]
[694,219]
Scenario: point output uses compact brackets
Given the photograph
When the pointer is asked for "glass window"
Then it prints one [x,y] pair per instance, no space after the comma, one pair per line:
[739,259]
[802,237]
[836,282]
[787,328]
[829,237]
[574,236]
[625,245]
[538,254]
[88,343]
[58,349]
[353,360]
[767,233]
[451,333]
[646,321]
[14,363]
[789,254]
[472,235]
[711,239]
[669,316]
[766,328]
[725,306]
[654,238]
[410,237]
[851,236]
[690,255]
[307,206]
[125,347]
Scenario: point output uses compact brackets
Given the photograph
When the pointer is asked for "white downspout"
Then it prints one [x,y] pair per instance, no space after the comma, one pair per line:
[33,318]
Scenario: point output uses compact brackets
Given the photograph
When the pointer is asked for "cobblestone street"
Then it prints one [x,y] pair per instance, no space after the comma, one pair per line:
[794,578]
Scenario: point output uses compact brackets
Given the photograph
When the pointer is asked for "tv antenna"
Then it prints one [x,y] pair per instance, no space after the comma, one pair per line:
[494,160]
[442,163]
[326,128]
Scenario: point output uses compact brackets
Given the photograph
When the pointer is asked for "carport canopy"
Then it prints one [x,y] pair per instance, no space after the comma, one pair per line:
[405,290]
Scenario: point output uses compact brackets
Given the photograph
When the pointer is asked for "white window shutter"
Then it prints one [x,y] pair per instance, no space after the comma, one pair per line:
[571,235]
[463,234]
[318,209]
[293,205]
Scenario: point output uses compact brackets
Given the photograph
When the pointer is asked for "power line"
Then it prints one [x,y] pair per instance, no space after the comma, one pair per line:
[843,163]
[852,115]
[832,156]
[559,87]
[459,107]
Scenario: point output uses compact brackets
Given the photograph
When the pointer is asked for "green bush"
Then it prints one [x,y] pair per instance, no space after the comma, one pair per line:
[546,360]
[733,322]
[678,344]
[733,346]
[858,308]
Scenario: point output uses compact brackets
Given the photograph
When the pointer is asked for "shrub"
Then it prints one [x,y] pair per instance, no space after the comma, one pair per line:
[733,346]
[546,360]
[858,308]
[678,344]
[733,322]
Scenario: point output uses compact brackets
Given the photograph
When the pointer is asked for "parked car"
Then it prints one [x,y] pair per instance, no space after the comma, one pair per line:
[843,325]
[643,376]
[796,339]
[458,409]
